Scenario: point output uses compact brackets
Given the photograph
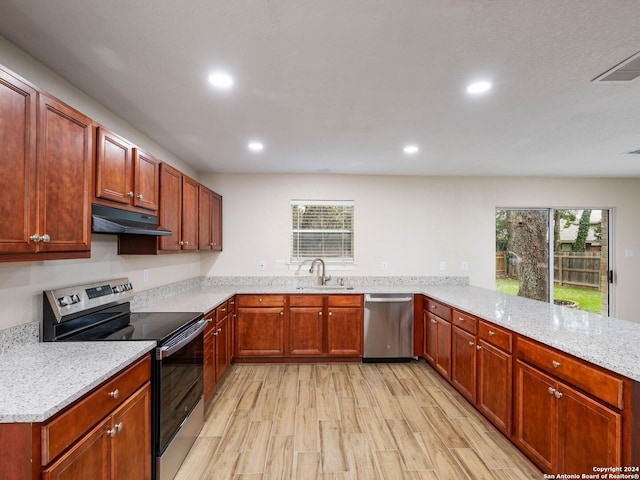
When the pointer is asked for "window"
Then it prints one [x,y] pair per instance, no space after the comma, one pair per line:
[322,228]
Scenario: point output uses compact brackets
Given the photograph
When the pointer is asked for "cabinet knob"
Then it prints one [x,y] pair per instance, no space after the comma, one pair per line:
[211,244]
[216,333]
[471,344]
[478,347]
[551,390]
[460,319]
[491,333]
[330,314]
[139,196]
[557,394]
[320,313]
[433,321]
[37,238]
[555,364]
[181,242]
[115,393]
[130,194]
[282,314]
[112,432]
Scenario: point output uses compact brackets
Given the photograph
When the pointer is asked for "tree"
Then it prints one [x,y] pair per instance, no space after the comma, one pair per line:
[561,219]
[583,231]
[528,240]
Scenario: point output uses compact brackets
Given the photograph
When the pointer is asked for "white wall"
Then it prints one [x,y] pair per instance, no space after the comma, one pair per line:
[414,223]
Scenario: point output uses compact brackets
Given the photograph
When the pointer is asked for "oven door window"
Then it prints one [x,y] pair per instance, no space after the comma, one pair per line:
[180,388]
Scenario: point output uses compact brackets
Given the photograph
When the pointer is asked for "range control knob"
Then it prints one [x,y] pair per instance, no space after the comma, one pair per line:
[64,301]
[117,288]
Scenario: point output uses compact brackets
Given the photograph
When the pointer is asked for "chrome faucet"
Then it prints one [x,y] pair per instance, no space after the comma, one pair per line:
[323,278]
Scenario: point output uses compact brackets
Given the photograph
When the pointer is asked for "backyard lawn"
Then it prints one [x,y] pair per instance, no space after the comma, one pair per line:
[588,300]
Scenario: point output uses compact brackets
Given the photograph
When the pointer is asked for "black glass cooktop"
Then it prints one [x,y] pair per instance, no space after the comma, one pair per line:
[157,326]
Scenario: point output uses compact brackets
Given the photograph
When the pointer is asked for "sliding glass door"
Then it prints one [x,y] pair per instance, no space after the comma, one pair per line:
[559,254]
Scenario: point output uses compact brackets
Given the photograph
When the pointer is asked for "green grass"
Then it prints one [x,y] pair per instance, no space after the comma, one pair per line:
[588,300]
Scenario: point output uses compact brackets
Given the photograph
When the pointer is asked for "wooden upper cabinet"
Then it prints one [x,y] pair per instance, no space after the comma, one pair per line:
[146,180]
[126,176]
[209,220]
[189,240]
[18,103]
[64,152]
[178,210]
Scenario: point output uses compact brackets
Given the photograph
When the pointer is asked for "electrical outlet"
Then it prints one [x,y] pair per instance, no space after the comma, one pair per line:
[145,275]
[384,265]
[443,265]
[465,265]
[262,265]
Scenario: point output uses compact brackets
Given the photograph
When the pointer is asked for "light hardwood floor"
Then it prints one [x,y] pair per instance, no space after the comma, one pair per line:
[346,421]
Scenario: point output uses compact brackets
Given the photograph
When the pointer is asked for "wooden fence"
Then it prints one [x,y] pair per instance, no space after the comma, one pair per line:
[569,268]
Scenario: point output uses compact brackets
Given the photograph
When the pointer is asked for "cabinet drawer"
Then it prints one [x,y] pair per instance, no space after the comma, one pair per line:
[464,321]
[261,301]
[345,301]
[221,311]
[305,301]
[578,373]
[61,431]
[496,336]
[438,308]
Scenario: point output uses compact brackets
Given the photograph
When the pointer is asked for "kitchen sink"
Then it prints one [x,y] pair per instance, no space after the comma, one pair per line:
[320,288]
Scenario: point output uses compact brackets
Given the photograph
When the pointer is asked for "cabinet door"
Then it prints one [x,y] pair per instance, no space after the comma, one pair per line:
[88,458]
[64,172]
[216,222]
[305,330]
[131,444]
[114,168]
[591,434]
[209,367]
[205,214]
[536,429]
[344,331]
[146,180]
[18,102]
[222,349]
[170,213]
[443,347]
[189,214]
[463,366]
[430,333]
[494,387]
[260,331]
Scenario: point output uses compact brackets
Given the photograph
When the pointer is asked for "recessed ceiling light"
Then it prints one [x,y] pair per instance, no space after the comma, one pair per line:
[221,80]
[256,146]
[479,88]
[411,149]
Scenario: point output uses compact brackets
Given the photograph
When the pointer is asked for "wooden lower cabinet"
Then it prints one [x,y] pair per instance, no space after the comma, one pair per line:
[344,332]
[306,325]
[208,367]
[562,429]
[437,341]
[494,385]
[260,326]
[463,365]
[222,349]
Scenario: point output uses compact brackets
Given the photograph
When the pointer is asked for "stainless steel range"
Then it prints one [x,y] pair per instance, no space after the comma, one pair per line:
[100,311]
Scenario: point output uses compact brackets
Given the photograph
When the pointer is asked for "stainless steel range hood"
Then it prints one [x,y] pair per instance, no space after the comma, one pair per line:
[123,222]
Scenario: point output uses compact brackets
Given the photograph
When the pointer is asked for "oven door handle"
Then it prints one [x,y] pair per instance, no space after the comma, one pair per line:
[173,346]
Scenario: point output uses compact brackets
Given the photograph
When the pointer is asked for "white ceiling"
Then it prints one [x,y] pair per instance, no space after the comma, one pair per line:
[340,86]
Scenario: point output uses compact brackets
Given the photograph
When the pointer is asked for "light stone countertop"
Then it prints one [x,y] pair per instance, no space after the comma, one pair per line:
[38,380]
[605,341]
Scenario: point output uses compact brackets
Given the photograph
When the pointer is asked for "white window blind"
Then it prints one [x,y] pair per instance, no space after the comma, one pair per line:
[322,229]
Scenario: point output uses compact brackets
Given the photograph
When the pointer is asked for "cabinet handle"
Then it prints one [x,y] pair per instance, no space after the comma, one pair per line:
[216,333]
[116,428]
[115,393]
[491,333]
[478,347]
[181,242]
[223,309]
[130,194]
[37,238]
[555,364]
[186,242]
[557,394]
[208,320]
[551,390]
[471,344]
[432,320]
[434,307]
[211,244]
[139,196]
[219,329]
[460,319]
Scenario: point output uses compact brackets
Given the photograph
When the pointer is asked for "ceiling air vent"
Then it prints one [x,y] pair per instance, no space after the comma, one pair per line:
[626,71]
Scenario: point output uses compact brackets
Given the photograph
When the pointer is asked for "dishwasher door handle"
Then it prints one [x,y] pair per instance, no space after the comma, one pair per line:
[369,299]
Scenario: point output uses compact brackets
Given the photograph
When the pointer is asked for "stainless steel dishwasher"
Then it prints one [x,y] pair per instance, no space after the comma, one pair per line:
[388,327]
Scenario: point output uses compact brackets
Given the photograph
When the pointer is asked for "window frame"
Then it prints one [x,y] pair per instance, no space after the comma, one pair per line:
[345,261]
